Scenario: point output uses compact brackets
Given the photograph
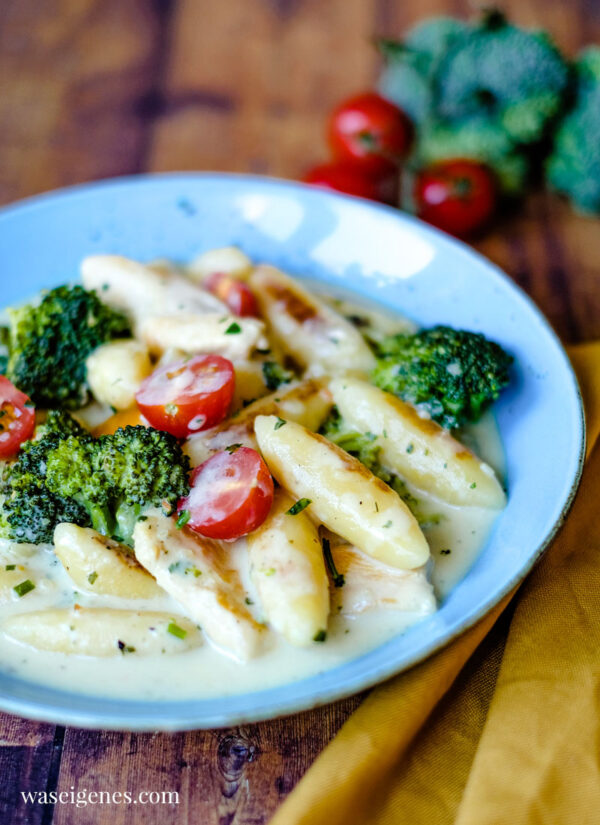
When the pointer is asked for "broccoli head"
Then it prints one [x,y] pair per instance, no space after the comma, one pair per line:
[574,165]
[117,477]
[452,375]
[515,76]
[486,90]
[48,344]
[29,511]
[65,475]
[410,65]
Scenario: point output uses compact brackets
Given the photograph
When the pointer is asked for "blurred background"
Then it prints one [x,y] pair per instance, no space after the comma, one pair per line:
[96,88]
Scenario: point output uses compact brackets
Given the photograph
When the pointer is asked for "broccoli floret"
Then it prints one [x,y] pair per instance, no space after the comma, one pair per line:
[410,66]
[452,375]
[29,510]
[50,342]
[486,91]
[574,165]
[117,477]
[107,483]
[518,77]
[480,139]
[275,375]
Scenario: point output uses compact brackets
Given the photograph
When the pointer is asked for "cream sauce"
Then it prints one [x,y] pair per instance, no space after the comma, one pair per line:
[455,535]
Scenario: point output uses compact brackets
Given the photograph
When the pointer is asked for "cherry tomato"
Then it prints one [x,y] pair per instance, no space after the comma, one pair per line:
[458,196]
[17,418]
[187,397]
[231,495]
[371,131]
[237,295]
[349,178]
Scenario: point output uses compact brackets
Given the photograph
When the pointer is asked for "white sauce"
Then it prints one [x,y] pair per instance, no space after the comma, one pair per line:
[206,671]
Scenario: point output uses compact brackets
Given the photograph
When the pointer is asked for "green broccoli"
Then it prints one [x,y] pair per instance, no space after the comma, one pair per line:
[275,375]
[29,511]
[515,76]
[49,343]
[486,90]
[410,66]
[65,475]
[452,375]
[574,165]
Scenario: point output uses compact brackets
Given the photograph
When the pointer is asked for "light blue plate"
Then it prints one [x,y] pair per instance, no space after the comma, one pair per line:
[379,253]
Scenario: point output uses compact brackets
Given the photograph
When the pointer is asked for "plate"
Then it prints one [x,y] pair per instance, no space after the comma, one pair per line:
[379,253]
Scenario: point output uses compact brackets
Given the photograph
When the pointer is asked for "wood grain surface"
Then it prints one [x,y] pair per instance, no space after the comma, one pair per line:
[95,88]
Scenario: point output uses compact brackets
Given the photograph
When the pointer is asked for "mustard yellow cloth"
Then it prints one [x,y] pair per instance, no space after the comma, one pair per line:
[502,727]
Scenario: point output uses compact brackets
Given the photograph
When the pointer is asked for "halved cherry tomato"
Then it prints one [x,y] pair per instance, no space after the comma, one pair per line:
[237,295]
[231,495]
[347,177]
[370,131]
[17,418]
[458,196]
[189,396]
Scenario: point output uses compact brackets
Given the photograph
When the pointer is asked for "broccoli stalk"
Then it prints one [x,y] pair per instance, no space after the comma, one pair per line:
[106,483]
[48,344]
[452,375]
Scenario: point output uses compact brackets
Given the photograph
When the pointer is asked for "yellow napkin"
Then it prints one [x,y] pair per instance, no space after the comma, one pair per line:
[503,725]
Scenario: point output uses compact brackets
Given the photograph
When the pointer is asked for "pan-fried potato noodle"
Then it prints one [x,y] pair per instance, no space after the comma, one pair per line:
[369,527]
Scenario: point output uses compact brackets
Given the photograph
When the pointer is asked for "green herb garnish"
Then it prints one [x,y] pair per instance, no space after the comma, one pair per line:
[233,329]
[298,507]
[338,578]
[24,588]
[183,519]
[177,631]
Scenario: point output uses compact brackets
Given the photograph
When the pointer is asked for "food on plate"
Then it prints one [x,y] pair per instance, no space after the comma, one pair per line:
[452,375]
[49,343]
[288,484]
[288,571]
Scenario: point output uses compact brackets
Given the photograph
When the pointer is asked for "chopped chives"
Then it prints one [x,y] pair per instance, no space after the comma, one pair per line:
[92,577]
[177,631]
[183,519]
[24,588]
[338,578]
[298,507]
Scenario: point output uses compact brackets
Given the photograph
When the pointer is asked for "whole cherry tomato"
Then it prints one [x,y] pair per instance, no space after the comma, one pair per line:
[189,396]
[17,418]
[370,131]
[349,178]
[231,495]
[458,196]
[237,295]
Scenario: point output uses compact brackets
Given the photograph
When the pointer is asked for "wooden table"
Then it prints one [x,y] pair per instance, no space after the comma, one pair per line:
[95,88]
